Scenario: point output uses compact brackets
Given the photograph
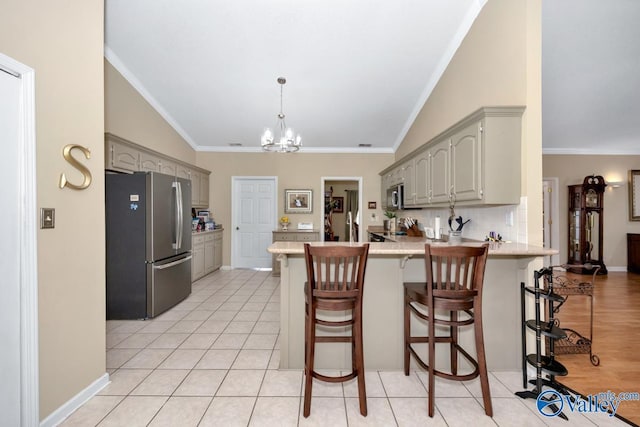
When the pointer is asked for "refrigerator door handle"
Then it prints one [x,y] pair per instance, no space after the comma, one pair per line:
[171,264]
[179,215]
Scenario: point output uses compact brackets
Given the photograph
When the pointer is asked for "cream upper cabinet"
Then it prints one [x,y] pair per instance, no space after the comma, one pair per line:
[466,164]
[440,175]
[183,172]
[408,171]
[477,161]
[195,188]
[125,156]
[168,167]
[121,157]
[204,189]
[149,162]
[384,184]
[422,180]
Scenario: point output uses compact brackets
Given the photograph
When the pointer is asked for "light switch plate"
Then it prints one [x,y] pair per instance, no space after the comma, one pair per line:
[47,218]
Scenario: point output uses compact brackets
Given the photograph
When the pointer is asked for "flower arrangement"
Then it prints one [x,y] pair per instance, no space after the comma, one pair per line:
[284,219]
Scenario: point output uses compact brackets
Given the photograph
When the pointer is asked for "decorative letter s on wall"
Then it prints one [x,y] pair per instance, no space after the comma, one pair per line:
[66,153]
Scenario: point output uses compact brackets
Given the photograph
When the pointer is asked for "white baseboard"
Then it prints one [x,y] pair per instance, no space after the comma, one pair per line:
[57,416]
[617,268]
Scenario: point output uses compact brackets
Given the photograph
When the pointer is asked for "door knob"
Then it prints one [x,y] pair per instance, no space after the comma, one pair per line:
[237,228]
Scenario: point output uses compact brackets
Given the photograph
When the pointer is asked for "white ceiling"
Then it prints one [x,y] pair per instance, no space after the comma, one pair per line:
[591,76]
[359,71]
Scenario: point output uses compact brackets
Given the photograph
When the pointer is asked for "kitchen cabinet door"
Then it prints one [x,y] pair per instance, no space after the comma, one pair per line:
[149,162]
[422,178]
[409,179]
[204,189]
[123,157]
[209,253]
[466,163]
[197,258]
[183,172]
[439,164]
[195,188]
[168,167]
[217,250]
[384,184]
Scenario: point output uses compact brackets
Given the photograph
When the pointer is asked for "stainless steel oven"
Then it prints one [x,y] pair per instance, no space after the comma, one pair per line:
[395,197]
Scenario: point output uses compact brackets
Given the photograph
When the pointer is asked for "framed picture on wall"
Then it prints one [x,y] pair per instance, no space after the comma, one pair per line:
[298,201]
[634,195]
[339,204]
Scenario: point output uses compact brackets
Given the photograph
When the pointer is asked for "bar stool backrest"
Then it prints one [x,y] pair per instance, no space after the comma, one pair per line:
[335,271]
[455,271]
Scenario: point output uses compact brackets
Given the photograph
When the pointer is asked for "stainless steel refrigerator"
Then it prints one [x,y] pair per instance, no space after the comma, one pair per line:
[148,235]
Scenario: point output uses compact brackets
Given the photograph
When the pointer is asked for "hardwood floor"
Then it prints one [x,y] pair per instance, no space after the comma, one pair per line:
[616,340]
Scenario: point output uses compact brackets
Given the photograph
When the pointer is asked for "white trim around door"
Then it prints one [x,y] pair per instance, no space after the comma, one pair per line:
[27,244]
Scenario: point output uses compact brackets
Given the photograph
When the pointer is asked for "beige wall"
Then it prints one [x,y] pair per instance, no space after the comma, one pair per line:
[128,115]
[294,171]
[63,44]
[572,169]
[498,63]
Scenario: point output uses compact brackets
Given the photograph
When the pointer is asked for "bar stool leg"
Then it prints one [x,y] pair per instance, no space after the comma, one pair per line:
[359,366]
[309,360]
[432,361]
[453,333]
[407,333]
[482,361]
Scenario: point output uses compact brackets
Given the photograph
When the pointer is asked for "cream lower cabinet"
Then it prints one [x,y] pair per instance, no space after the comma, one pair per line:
[217,249]
[292,236]
[206,253]
[197,257]
[209,253]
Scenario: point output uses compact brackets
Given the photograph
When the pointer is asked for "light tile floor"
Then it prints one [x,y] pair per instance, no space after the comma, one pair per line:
[213,361]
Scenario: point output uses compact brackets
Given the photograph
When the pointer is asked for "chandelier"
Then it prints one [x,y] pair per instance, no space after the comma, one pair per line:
[287,141]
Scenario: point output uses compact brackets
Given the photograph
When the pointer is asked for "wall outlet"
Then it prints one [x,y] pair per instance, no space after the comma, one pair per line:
[509,219]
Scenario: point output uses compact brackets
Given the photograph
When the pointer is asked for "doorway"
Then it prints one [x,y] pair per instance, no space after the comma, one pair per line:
[253,219]
[19,399]
[551,218]
[342,208]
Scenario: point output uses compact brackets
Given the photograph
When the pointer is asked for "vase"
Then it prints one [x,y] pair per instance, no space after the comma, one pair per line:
[455,237]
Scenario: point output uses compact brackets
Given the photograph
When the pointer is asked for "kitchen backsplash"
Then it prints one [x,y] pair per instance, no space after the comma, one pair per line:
[508,221]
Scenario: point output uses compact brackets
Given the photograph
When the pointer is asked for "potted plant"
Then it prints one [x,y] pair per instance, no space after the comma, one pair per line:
[387,222]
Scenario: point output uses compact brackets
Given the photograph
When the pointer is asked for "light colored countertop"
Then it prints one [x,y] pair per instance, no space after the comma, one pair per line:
[417,248]
[295,230]
[196,233]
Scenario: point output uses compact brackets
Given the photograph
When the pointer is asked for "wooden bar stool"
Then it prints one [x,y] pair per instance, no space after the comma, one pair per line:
[454,284]
[335,278]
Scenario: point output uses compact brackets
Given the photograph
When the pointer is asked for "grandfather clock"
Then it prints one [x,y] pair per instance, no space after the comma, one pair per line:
[585,224]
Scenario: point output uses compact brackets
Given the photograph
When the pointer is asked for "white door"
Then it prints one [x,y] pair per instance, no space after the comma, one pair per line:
[10,258]
[254,219]
[19,401]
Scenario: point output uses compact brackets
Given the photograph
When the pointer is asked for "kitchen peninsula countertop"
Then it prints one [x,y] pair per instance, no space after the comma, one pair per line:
[416,247]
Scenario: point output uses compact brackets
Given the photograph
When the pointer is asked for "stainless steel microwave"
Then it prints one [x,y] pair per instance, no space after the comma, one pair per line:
[395,197]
